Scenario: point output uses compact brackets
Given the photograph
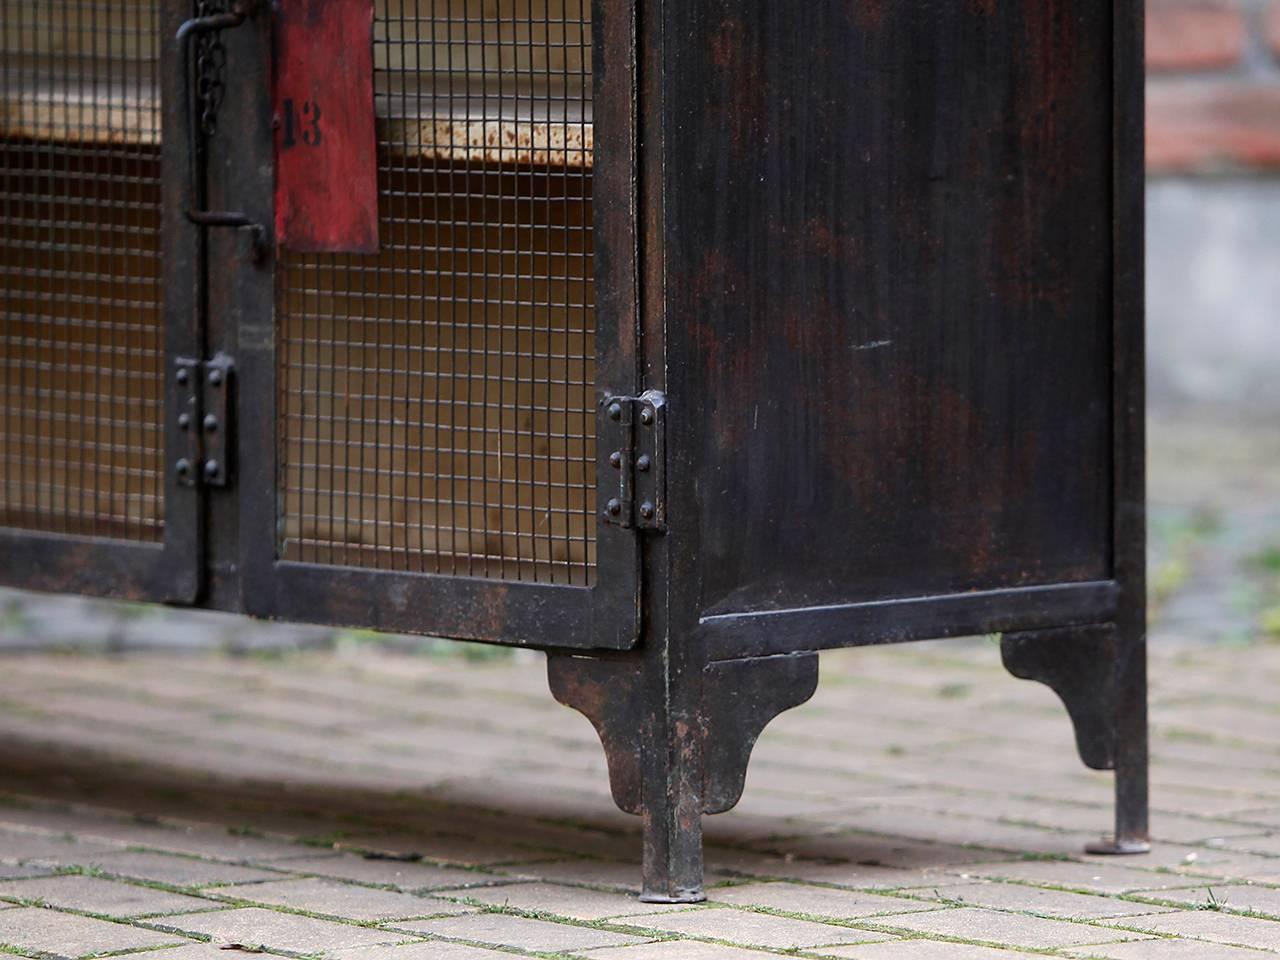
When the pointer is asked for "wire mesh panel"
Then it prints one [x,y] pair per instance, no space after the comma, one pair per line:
[437,408]
[81,334]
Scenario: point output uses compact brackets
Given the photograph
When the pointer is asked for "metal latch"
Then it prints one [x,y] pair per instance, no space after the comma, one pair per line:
[204,420]
[638,455]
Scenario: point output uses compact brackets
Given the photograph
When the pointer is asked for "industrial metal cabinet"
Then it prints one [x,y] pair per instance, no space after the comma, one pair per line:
[700,336]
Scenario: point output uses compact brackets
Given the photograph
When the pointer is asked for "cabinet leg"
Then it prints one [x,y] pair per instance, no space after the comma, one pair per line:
[1101,678]
[672,871]
[677,745]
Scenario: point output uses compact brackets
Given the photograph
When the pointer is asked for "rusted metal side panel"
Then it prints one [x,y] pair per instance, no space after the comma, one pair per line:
[889,298]
[326,158]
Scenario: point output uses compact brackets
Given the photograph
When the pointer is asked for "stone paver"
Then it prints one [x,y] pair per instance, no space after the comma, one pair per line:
[1011,929]
[1165,949]
[192,951]
[1106,878]
[599,873]
[860,876]
[173,869]
[926,950]
[392,873]
[344,900]
[19,847]
[678,950]
[753,929]
[1039,900]
[1211,925]
[826,902]
[421,950]
[217,842]
[106,897]
[504,929]
[1232,897]
[16,871]
[565,901]
[68,935]
[252,927]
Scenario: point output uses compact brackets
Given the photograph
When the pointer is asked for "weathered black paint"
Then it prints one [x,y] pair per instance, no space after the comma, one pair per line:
[169,572]
[884,261]
[603,616]
[892,277]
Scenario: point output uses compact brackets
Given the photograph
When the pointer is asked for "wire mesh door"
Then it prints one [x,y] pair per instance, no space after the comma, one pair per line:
[86,500]
[435,439]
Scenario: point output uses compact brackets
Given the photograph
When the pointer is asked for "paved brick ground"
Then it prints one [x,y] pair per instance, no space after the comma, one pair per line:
[362,802]
[372,804]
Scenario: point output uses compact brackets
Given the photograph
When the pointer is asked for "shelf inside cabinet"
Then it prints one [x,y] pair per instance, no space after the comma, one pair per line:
[504,124]
[42,103]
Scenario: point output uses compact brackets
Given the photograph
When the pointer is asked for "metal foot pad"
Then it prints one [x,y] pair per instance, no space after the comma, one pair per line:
[689,896]
[1110,846]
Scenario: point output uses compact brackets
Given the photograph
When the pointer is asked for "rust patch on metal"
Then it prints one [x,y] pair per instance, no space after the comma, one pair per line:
[608,693]
[869,14]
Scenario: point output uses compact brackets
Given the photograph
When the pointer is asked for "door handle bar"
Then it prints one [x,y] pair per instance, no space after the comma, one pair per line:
[193,207]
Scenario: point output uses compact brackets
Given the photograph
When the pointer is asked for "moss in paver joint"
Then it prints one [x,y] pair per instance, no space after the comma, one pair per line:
[1211,904]
[225,902]
[853,923]
[128,921]
[622,925]
[126,952]
[968,941]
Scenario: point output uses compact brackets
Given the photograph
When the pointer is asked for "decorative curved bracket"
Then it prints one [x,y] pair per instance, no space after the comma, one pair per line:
[740,697]
[608,692]
[1080,665]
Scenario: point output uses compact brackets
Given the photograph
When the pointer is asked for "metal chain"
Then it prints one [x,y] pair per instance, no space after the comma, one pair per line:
[211,64]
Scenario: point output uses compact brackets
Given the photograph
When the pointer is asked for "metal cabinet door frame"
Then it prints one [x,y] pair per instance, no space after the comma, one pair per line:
[169,570]
[605,615]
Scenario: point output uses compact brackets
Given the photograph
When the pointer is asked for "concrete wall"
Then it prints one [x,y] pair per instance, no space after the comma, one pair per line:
[1213,294]
[1213,207]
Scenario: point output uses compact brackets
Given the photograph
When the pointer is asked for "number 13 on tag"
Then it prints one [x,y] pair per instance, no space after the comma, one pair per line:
[326,155]
[309,122]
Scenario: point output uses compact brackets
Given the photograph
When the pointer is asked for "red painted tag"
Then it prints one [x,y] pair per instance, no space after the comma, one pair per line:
[326,152]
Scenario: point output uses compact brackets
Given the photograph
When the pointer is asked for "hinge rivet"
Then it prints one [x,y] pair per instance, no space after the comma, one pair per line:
[215,377]
[615,411]
[644,463]
[211,469]
[211,423]
[646,510]
[615,459]
[646,415]
[183,467]
[184,421]
[614,507]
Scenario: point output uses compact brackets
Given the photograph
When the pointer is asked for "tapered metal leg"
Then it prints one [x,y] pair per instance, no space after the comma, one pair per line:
[1132,833]
[654,752]
[672,816]
[1101,678]
[678,742]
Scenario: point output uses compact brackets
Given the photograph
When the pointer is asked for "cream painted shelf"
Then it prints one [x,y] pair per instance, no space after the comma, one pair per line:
[501,125]
[42,104]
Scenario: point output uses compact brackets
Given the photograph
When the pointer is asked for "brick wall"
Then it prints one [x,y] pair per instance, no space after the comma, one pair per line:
[1213,92]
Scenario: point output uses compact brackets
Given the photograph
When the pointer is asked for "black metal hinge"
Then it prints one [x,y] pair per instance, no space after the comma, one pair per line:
[637,428]
[204,421]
